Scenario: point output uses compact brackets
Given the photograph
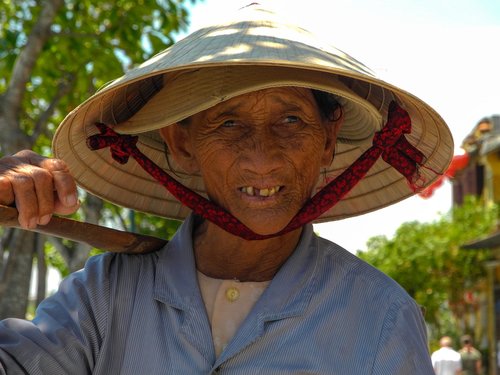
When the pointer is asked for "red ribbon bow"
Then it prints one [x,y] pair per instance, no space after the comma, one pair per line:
[389,143]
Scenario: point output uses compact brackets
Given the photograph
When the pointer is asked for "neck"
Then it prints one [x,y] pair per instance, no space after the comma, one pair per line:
[222,255]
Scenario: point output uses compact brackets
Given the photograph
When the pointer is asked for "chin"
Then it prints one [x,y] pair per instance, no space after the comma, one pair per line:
[260,225]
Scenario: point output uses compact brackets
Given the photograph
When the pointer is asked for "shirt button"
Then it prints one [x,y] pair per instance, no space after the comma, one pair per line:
[232,294]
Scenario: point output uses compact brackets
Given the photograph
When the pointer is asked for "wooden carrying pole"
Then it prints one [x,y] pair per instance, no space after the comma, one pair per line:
[100,237]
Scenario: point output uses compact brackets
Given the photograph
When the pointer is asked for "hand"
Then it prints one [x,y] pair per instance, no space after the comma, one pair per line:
[38,186]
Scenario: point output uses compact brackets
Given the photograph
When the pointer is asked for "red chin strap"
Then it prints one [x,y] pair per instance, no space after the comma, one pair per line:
[389,143]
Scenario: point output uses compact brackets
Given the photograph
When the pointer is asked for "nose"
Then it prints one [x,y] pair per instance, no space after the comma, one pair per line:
[262,152]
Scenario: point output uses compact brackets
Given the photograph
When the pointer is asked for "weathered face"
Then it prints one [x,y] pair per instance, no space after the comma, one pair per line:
[259,154]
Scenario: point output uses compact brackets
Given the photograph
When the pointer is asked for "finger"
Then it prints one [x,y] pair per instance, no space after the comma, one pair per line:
[25,199]
[6,193]
[66,195]
[15,179]
[32,186]
[44,188]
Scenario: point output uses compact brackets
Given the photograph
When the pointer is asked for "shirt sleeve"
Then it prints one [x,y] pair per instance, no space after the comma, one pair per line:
[66,334]
[403,347]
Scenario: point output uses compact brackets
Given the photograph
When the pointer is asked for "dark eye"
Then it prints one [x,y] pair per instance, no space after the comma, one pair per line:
[229,124]
[291,120]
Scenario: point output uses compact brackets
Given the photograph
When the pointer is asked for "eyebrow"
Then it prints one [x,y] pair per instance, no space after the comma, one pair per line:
[226,111]
[290,105]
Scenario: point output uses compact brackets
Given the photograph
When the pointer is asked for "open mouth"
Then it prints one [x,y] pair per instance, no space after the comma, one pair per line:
[264,192]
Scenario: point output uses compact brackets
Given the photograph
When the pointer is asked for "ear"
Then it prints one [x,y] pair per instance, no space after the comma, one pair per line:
[179,144]
[332,129]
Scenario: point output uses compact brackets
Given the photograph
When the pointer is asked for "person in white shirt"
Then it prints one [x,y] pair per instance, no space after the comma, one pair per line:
[446,360]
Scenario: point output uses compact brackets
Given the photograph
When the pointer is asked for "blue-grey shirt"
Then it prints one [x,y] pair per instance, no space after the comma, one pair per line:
[325,312]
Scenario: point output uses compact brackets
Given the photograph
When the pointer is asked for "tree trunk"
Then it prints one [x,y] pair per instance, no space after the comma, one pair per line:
[41,285]
[16,275]
[17,262]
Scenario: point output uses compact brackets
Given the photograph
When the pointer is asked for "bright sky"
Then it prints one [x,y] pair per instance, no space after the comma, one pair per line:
[446,52]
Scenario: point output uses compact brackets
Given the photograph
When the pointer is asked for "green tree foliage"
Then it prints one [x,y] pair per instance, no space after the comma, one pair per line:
[54,54]
[88,44]
[427,260]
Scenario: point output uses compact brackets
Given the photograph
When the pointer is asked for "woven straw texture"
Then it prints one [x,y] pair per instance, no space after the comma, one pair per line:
[253,51]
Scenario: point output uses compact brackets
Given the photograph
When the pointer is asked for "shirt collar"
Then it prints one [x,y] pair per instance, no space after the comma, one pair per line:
[288,293]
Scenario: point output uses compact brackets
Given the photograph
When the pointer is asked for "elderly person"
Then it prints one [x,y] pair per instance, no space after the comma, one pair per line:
[262,130]
[446,360]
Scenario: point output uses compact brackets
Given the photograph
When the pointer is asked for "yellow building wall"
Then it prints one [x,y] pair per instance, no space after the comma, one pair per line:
[492,177]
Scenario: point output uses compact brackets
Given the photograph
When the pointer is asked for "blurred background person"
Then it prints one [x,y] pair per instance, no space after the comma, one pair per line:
[446,360]
[471,357]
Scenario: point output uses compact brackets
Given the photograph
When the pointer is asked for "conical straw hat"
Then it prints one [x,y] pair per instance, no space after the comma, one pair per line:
[253,51]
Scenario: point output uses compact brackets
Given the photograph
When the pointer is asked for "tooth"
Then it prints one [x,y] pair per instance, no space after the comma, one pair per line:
[266,192]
